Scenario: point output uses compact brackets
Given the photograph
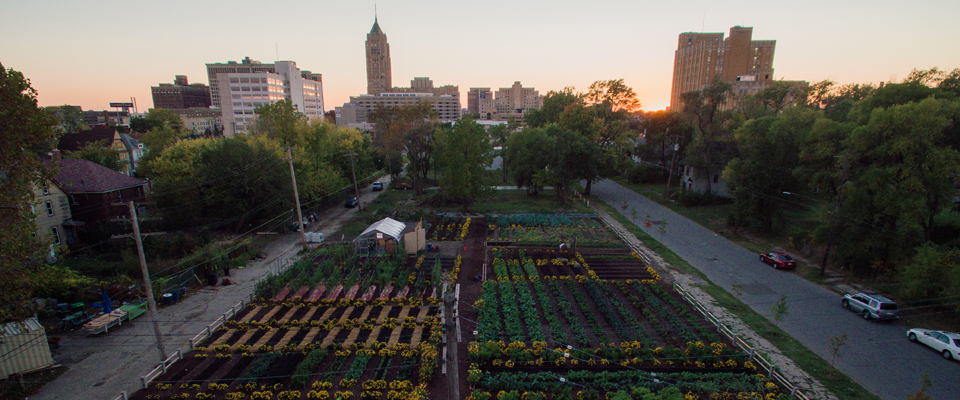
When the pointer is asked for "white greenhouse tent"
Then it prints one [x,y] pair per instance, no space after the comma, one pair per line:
[386,234]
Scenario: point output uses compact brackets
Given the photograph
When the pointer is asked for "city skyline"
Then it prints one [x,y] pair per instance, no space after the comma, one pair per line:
[90,54]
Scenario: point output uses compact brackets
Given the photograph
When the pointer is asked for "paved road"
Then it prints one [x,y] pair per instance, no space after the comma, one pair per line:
[878,356]
[100,367]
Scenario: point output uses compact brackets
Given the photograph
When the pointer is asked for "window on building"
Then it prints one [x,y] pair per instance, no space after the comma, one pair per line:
[56,235]
[49,208]
[46,189]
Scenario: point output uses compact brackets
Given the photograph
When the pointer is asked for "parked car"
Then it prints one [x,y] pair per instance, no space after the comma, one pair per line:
[377,186]
[779,260]
[871,306]
[351,203]
[947,343]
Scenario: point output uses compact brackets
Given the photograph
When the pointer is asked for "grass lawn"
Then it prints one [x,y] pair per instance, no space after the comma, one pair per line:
[832,378]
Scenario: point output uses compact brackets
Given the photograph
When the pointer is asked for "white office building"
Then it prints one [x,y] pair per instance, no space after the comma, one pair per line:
[240,93]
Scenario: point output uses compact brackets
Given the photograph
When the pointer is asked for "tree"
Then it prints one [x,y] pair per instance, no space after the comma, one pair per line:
[463,153]
[279,121]
[408,129]
[605,122]
[225,182]
[100,153]
[933,272]
[780,309]
[768,150]
[161,117]
[551,156]
[836,345]
[705,109]
[553,105]
[68,119]
[614,95]
[661,131]
[26,129]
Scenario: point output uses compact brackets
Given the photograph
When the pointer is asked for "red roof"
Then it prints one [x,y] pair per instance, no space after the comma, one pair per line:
[96,133]
[82,176]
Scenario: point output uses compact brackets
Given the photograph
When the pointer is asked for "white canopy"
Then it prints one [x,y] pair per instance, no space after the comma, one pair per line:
[387,226]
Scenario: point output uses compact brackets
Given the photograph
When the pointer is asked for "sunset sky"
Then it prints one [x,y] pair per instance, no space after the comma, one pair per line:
[90,53]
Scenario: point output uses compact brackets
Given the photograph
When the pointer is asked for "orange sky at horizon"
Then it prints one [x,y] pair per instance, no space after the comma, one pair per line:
[91,54]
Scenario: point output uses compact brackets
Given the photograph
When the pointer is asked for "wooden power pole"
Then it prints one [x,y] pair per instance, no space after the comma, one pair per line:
[296,197]
[151,302]
[356,188]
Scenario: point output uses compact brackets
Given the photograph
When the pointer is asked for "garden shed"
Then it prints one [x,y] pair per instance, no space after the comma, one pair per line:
[25,347]
[384,235]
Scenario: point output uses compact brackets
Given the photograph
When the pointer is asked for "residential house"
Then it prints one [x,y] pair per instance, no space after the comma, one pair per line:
[134,151]
[96,192]
[99,133]
[51,208]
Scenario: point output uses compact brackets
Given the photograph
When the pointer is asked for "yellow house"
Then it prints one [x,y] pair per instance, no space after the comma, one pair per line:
[51,208]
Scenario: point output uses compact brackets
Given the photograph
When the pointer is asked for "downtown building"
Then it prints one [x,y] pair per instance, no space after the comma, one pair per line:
[703,58]
[444,100]
[180,95]
[237,89]
[505,104]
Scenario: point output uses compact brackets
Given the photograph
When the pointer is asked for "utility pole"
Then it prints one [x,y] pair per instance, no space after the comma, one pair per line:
[356,188]
[673,164]
[151,302]
[296,197]
[836,216]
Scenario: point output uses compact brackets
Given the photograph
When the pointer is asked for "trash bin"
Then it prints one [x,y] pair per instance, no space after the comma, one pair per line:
[176,295]
[168,298]
[212,279]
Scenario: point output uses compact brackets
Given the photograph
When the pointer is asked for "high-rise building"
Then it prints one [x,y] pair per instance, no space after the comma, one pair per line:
[702,58]
[181,94]
[241,88]
[379,77]
[475,96]
[514,101]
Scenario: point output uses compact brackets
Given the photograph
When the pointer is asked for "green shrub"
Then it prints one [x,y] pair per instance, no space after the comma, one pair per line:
[645,173]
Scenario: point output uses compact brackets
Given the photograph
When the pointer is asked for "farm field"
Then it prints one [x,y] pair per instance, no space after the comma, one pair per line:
[551,326]
[332,326]
[585,320]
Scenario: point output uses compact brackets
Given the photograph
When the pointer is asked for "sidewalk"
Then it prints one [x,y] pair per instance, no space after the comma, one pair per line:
[100,367]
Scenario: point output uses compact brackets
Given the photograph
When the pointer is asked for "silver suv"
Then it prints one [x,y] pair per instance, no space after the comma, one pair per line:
[871,306]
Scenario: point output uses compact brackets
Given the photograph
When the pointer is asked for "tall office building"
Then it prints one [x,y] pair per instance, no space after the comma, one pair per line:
[477,96]
[245,66]
[515,101]
[241,88]
[701,58]
[181,94]
[379,77]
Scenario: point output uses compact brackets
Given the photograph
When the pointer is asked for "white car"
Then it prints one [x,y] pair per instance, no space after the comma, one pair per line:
[947,343]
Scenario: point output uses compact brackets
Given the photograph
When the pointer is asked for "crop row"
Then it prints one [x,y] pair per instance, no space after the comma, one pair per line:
[570,385]
[579,333]
[650,301]
[543,220]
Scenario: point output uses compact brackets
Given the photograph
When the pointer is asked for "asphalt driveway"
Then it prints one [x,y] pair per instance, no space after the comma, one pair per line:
[878,355]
